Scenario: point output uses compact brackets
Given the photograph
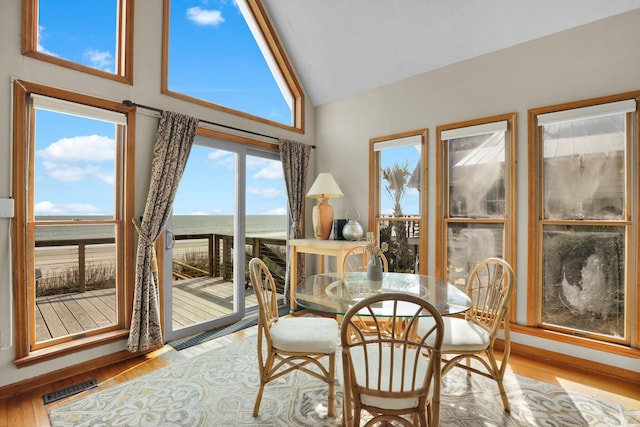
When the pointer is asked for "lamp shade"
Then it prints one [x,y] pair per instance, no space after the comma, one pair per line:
[325,187]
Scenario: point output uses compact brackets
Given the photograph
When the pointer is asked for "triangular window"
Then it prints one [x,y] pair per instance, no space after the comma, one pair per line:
[225,55]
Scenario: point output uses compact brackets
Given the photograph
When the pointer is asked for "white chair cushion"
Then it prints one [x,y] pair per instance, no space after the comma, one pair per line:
[459,334]
[305,334]
[357,356]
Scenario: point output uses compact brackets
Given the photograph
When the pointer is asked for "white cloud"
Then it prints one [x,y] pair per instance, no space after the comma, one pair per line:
[265,193]
[102,60]
[41,36]
[222,158]
[277,211]
[48,208]
[68,173]
[269,169]
[88,148]
[107,178]
[218,154]
[77,159]
[204,17]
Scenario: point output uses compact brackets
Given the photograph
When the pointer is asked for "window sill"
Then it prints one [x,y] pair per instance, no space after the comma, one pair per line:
[71,347]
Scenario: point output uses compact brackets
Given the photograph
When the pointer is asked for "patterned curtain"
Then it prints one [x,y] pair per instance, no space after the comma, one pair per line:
[174,139]
[295,159]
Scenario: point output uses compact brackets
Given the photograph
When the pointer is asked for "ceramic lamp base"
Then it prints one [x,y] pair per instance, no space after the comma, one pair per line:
[322,217]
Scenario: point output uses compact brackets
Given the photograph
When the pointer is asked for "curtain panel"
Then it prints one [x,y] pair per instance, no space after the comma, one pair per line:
[174,139]
[295,161]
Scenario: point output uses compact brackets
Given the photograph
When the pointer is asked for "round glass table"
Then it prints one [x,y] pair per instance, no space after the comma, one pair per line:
[335,293]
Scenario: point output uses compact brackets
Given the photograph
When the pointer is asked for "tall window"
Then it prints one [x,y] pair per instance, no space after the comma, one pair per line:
[91,36]
[583,157]
[397,198]
[72,196]
[225,55]
[475,184]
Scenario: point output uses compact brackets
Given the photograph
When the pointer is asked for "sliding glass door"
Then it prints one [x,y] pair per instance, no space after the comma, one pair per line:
[230,206]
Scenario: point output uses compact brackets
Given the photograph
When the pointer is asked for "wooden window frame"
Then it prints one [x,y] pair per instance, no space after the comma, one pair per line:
[23,276]
[124,43]
[442,195]
[262,20]
[374,190]
[631,345]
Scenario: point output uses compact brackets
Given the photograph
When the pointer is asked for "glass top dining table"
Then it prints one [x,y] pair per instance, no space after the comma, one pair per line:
[335,293]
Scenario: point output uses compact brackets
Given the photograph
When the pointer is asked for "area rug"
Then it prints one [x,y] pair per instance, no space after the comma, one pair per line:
[218,388]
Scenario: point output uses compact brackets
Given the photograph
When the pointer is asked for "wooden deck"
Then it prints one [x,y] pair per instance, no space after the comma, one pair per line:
[194,301]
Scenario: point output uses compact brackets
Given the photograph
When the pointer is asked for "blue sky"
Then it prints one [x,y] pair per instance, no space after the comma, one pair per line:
[411,200]
[207,186]
[74,165]
[213,56]
[75,156]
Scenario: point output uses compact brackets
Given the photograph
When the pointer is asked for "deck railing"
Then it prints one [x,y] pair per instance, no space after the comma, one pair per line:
[81,244]
[218,249]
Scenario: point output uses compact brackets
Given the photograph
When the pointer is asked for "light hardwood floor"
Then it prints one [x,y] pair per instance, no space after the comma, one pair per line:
[28,409]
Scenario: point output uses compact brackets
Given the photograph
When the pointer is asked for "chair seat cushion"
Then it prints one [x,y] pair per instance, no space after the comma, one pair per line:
[305,334]
[373,356]
[459,334]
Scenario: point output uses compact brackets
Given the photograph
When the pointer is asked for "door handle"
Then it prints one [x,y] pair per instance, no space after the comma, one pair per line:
[169,239]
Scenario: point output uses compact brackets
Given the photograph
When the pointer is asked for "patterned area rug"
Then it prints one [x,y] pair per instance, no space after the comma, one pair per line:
[218,388]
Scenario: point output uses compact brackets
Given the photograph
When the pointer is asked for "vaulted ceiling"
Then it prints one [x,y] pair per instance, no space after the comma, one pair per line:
[343,47]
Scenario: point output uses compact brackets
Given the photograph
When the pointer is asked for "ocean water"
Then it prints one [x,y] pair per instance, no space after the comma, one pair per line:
[273,226]
[256,225]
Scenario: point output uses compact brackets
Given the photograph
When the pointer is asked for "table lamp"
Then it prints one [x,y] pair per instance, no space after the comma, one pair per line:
[323,189]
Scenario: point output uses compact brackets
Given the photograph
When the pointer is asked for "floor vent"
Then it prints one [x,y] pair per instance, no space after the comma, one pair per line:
[69,391]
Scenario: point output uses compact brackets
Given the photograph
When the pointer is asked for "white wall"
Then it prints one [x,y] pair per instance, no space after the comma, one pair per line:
[594,60]
[145,90]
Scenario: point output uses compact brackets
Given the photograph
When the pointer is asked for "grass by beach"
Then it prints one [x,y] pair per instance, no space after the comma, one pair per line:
[59,272]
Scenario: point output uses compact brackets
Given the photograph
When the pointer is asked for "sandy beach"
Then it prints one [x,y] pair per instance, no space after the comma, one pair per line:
[52,261]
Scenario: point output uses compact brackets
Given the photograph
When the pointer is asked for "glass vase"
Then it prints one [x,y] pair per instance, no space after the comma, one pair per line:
[374,273]
[353,230]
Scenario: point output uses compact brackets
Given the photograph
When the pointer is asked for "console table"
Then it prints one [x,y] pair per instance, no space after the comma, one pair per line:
[336,248]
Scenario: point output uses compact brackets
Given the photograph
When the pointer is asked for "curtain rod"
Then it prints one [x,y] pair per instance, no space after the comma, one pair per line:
[130,103]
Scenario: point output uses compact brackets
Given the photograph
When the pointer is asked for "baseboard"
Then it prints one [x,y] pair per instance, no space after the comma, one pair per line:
[75,370]
[572,362]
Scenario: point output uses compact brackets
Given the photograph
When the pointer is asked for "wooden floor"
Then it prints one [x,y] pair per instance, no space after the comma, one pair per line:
[69,314]
[194,301]
[28,409]
[203,298]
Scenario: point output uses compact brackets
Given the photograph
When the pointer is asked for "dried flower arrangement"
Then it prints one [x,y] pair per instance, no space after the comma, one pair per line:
[373,248]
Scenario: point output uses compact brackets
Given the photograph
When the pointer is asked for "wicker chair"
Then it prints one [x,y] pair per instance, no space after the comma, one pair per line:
[490,287]
[290,343]
[388,375]
[356,259]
